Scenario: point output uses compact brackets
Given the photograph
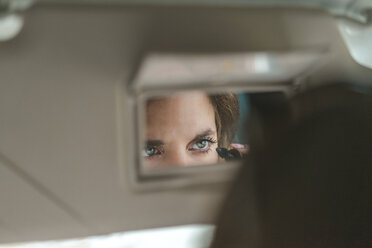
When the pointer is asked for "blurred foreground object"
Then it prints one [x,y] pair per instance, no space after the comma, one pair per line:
[310,184]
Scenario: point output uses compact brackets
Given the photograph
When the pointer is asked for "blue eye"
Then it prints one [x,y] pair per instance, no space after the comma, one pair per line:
[150,151]
[201,144]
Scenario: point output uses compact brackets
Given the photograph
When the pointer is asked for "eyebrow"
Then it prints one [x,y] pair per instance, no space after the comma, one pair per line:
[197,137]
[154,143]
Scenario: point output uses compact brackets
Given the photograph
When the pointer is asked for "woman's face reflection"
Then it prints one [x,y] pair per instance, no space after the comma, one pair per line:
[180,131]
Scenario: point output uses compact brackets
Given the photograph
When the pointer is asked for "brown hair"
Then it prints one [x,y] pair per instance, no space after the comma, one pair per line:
[226,111]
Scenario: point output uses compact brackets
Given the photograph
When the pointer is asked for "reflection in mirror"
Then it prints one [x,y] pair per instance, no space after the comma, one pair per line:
[195,128]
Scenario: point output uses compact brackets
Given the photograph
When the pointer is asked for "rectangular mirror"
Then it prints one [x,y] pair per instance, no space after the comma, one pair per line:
[192,128]
[192,110]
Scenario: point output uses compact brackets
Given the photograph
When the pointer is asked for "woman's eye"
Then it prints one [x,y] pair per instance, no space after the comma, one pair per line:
[150,151]
[201,145]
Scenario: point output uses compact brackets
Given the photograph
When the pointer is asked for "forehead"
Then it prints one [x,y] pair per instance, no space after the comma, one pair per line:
[184,114]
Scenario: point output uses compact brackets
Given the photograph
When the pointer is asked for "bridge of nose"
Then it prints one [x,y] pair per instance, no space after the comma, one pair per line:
[178,154]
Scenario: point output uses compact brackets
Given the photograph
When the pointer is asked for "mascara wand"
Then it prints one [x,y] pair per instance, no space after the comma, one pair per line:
[228,154]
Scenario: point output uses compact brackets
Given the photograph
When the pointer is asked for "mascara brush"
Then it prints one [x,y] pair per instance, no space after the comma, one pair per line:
[228,154]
